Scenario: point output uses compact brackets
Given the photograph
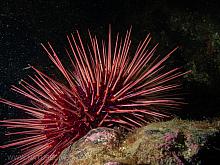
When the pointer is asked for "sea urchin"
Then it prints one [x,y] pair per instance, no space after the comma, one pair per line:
[106,87]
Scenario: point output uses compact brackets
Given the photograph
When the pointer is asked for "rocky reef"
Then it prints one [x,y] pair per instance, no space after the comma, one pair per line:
[172,142]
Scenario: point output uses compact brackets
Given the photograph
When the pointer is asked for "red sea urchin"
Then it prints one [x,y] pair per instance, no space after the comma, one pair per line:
[106,87]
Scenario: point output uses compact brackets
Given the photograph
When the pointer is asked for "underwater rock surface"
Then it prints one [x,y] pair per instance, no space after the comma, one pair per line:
[172,142]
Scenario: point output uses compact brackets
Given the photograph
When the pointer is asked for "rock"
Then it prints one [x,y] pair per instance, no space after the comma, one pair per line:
[173,142]
[96,142]
[112,163]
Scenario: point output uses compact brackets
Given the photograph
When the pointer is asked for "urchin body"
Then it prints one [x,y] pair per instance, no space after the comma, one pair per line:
[106,87]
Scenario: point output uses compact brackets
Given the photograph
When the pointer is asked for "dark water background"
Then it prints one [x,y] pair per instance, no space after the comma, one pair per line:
[194,26]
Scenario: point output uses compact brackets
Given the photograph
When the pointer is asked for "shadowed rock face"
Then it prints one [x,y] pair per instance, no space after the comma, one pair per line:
[173,142]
